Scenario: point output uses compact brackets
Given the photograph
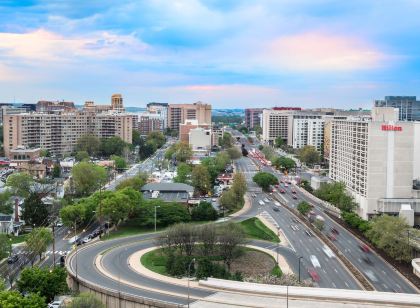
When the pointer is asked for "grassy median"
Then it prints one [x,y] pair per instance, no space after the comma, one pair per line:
[255,229]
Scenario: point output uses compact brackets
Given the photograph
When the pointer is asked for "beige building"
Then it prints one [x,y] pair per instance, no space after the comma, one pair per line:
[185,128]
[200,139]
[379,162]
[59,132]
[179,113]
[116,105]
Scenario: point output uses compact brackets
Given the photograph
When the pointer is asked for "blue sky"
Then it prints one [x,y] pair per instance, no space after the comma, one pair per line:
[232,54]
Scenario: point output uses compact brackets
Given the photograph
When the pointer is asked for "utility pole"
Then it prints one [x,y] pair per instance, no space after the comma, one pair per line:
[53,243]
[100,211]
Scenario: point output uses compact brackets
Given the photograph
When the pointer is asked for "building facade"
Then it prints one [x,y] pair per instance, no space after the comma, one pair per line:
[253,117]
[184,129]
[161,109]
[200,139]
[179,113]
[150,122]
[408,106]
[49,106]
[307,130]
[275,124]
[59,132]
[378,162]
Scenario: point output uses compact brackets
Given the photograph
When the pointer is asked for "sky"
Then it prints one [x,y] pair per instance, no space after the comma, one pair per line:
[229,53]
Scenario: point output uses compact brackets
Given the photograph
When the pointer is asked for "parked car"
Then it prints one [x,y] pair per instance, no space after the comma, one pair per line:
[308,233]
[59,223]
[55,304]
[12,259]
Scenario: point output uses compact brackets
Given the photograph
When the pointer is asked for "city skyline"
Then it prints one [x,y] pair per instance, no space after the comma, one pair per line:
[231,54]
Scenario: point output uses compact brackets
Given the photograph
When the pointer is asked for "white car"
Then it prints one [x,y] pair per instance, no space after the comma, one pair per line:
[277,203]
[327,250]
[266,200]
[371,275]
[59,223]
[54,304]
[261,202]
[314,261]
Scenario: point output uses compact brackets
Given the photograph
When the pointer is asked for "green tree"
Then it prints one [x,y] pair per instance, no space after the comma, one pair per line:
[72,214]
[231,235]
[87,177]
[203,211]
[183,173]
[136,182]
[183,152]
[116,207]
[239,188]
[47,283]
[113,146]
[38,240]
[5,246]
[304,207]
[309,155]
[20,184]
[13,299]
[146,149]
[200,179]
[283,163]
[226,141]
[264,180]
[279,142]
[167,213]
[390,234]
[136,137]
[35,213]
[82,155]
[120,162]
[6,202]
[88,143]
[228,200]
[234,153]
[44,153]
[335,193]
[305,184]
[56,172]
[156,138]
[85,300]
[269,152]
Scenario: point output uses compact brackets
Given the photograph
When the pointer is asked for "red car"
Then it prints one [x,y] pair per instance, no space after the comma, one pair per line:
[331,236]
[364,247]
[282,191]
[314,275]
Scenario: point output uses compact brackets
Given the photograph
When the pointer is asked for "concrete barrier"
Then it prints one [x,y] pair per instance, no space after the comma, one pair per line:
[416,266]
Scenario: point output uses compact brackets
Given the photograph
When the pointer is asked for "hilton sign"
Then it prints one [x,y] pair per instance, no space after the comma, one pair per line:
[388,127]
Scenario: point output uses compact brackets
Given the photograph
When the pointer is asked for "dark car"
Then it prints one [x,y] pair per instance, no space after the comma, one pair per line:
[12,259]
[275,209]
[334,230]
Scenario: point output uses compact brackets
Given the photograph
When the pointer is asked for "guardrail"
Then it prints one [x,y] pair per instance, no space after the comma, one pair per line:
[112,298]
[356,273]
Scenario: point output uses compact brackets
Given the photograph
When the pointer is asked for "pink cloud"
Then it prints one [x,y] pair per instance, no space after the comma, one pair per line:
[325,52]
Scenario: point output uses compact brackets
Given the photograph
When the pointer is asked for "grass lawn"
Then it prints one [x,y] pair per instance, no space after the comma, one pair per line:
[154,261]
[18,239]
[255,229]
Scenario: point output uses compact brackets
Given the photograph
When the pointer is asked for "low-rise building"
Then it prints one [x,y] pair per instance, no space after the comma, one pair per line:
[168,192]
[200,139]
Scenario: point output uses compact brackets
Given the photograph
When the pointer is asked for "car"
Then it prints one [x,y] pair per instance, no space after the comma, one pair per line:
[12,259]
[214,200]
[314,275]
[314,261]
[293,191]
[277,203]
[367,260]
[59,224]
[308,233]
[327,250]
[266,200]
[86,239]
[332,236]
[55,304]
[371,276]
[286,185]
[261,202]
[334,230]
[282,191]
[294,197]
[295,220]
[364,248]
[275,209]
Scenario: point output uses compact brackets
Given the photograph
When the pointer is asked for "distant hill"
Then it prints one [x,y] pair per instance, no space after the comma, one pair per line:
[228,112]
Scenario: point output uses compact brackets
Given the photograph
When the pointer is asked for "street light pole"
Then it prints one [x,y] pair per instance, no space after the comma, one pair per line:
[278,245]
[299,265]
[188,280]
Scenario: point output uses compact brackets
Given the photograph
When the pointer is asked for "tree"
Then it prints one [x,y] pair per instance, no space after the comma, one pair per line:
[116,207]
[239,186]
[87,177]
[304,207]
[5,246]
[279,142]
[156,138]
[183,173]
[88,143]
[283,163]
[183,236]
[207,235]
[203,211]
[37,241]
[183,152]
[228,200]
[167,213]
[390,234]
[230,237]
[319,223]
[305,185]
[226,141]
[113,146]
[269,152]
[85,300]
[56,172]
[45,282]
[309,155]
[20,184]
[72,214]
[200,179]
[136,182]
[335,193]
[35,213]
[146,149]
[234,153]
[120,162]
[82,155]
[12,299]
[136,137]
[6,202]
[264,180]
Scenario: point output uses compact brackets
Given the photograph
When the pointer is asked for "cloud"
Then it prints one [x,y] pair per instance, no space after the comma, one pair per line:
[318,51]
[47,46]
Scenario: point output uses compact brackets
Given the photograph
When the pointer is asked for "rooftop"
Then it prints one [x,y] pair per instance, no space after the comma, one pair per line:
[168,187]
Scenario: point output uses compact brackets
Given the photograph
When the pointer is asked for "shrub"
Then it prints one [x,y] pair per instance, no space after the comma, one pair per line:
[203,211]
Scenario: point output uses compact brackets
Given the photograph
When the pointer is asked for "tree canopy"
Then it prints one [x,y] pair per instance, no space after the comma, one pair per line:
[87,177]
[309,155]
[5,246]
[264,180]
[38,240]
[336,194]
[200,179]
[35,212]
[20,183]
[113,146]
[88,143]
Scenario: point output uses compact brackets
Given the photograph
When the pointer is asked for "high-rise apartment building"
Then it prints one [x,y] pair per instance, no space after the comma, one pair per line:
[179,113]
[275,124]
[253,117]
[307,130]
[150,122]
[160,109]
[378,162]
[117,103]
[59,132]
[408,106]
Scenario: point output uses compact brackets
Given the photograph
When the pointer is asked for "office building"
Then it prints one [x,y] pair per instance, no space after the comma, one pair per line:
[200,139]
[408,106]
[50,106]
[59,132]
[160,109]
[150,122]
[116,105]
[253,117]
[306,130]
[184,129]
[378,162]
[179,113]
[275,124]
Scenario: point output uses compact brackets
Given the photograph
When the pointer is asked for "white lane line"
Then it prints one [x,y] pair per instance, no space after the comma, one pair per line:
[335,286]
[347,285]
[335,270]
